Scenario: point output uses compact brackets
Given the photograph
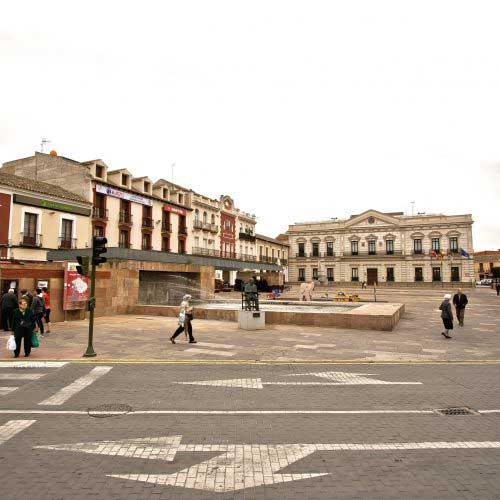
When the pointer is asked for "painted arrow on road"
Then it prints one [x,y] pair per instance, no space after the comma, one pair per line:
[334,378]
[238,466]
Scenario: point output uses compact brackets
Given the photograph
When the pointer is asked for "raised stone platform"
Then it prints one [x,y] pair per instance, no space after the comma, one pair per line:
[252,320]
[368,316]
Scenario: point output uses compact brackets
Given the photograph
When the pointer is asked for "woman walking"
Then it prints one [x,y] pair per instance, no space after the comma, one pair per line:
[446,315]
[22,326]
[46,299]
[185,318]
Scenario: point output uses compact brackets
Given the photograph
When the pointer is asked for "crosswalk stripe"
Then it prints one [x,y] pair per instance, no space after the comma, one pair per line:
[32,364]
[21,376]
[13,427]
[194,350]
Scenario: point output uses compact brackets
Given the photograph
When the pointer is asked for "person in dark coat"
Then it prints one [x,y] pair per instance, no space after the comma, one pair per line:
[38,308]
[446,315]
[185,318]
[9,305]
[460,301]
[27,295]
[498,289]
[22,327]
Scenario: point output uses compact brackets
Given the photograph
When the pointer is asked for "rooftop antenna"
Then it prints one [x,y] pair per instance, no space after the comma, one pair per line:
[42,144]
[173,165]
[412,207]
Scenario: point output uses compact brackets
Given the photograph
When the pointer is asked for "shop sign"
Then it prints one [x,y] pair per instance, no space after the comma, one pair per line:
[76,288]
[123,195]
[20,199]
[174,210]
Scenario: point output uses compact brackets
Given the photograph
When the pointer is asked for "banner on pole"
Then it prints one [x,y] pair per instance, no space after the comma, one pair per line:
[76,288]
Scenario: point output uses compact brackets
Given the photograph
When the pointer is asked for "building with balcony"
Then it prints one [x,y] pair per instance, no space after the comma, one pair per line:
[36,217]
[485,262]
[384,248]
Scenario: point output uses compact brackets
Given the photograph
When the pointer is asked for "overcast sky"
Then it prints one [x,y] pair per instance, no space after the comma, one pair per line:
[299,110]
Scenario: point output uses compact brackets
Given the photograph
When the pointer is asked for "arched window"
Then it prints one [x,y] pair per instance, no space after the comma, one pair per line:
[212,219]
[205,217]
[196,214]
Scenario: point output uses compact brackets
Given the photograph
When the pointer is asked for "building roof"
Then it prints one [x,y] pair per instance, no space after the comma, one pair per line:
[27,184]
[271,240]
[488,252]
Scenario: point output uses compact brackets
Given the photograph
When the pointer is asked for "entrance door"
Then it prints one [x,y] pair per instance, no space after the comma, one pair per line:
[371,276]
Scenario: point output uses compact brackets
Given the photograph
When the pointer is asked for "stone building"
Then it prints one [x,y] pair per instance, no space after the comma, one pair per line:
[390,249]
[485,262]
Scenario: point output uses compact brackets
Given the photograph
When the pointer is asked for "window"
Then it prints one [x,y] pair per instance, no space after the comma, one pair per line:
[329,248]
[419,275]
[436,244]
[227,225]
[417,246]
[315,248]
[146,241]
[99,171]
[481,267]
[302,274]
[182,246]
[354,274]
[389,247]
[147,186]
[354,248]
[390,274]
[212,219]
[98,231]
[29,236]
[124,239]
[205,217]
[182,224]
[66,233]
[301,250]
[181,198]
[329,273]
[315,273]
[147,220]
[272,253]
[455,274]
[165,244]
[436,274]
[371,247]
[454,244]
[124,180]
[196,241]
[261,252]
[164,193]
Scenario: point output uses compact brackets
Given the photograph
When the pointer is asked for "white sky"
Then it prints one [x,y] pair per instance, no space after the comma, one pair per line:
[299,110]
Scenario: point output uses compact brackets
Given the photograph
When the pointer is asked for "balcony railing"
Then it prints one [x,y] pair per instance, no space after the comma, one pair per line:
[122,244]
[147,246]
[197,224]
[67,243]
[214,228]
[166,227]
[367,253]
[99,213]
[247,236]
[183,230]
[417,252]
[125,217]
[206,226]
[268,260]
[209,252]
[300,255]
[283,262]
[147,222]
[212,252]
[30,240]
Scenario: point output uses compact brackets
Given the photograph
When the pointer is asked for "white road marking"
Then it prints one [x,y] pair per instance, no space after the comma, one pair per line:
[247,383]
[6,390]
[239,466]
[32,364]
[220,346]
[21,376]
[194,350]
[313,347]
[67,392]
[348,378]
[13,427]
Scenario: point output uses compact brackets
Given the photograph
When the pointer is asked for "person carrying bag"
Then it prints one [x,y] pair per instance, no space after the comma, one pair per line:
[22,326]
[185,318]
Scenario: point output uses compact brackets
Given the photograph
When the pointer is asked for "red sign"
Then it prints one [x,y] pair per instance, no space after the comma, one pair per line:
[174,210]
[76,288]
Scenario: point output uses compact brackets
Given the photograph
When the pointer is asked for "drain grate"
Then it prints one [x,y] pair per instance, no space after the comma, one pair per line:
[456,410]
[109,410]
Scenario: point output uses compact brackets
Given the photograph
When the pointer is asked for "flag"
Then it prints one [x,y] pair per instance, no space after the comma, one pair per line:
[433,254]
[464,253]
[441,254]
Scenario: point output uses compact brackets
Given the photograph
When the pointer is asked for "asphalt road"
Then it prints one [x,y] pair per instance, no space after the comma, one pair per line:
[249,431]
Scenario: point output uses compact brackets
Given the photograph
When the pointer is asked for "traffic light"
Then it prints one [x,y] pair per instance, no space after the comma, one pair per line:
[98,248]
[83,267]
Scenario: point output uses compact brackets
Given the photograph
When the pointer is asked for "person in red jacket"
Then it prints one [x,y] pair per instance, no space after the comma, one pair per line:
[46,298]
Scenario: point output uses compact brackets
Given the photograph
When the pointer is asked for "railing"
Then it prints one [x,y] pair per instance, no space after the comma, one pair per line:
[300,255]
[247,236]
[124,245]
[30,240]
[67,243]
[417,252]
[100,213]
[147,246]
[209,252]
[183,230]
[166,227]
[283,262]
[147,222]
[302,278]
[214,228]
[367,253]
[125,217]
[206,226]
[268,260]
[197,224]
[212,252]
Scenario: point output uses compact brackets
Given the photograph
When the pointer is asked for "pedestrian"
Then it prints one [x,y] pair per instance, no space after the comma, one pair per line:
[9,305]
[38,308]
[27,295]
[460,301]
[185,319]
[22,327]
[446,315]
[46,299]
[498,289]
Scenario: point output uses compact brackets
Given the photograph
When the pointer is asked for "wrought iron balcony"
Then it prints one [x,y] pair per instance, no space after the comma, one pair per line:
[30,240]
[166,227]
[67,243]
[183,230]
[197,224]
[147,222]
[206,226]
[125,217]
[100,213]
[147,246]
[247,236]
[214,228]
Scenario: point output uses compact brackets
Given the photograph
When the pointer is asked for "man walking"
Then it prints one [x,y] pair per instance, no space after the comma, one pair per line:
[9,305]
[38,307]
[460,301]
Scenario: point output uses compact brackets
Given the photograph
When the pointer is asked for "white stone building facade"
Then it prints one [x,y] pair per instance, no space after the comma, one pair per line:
[389,249]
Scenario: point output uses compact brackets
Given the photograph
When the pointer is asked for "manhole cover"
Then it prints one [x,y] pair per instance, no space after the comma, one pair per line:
[109,410]
[459,410]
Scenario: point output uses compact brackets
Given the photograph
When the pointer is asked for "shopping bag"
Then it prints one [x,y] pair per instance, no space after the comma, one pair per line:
[182,318]
[11,343]
[34,340]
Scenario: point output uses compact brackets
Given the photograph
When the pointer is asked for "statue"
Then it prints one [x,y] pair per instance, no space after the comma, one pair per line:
[306,290]
[251,296]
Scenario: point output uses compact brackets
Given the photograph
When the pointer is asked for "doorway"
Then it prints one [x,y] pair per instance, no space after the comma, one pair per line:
[371,276]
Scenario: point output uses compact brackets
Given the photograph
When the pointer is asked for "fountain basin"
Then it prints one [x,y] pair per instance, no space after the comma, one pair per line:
[360,316]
